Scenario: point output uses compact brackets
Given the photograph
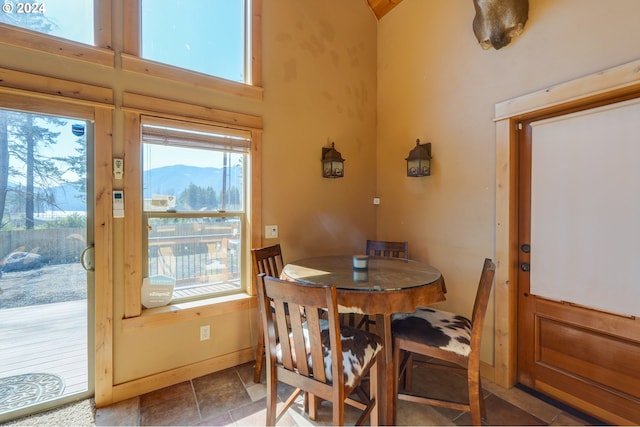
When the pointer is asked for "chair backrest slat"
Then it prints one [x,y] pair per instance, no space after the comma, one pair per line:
[317,356]
[280,326]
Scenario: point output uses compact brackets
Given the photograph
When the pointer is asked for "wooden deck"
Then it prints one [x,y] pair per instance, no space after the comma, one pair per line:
[48,338]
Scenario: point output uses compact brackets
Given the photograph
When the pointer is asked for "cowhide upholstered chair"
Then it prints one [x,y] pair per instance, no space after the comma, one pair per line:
[311,352]
[444,336]
[267,260]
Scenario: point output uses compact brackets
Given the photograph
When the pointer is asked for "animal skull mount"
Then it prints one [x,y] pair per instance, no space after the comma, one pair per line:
[497,21]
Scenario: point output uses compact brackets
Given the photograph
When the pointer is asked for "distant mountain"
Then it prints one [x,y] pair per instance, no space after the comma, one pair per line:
[174,179]
[68,198]
[164,180]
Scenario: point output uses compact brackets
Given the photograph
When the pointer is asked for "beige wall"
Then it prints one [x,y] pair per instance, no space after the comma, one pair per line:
[319,62]
[437,84]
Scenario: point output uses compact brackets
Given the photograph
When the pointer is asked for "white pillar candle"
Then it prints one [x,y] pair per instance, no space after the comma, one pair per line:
[360,262]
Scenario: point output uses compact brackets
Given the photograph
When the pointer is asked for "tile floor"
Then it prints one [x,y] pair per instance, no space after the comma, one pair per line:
[230,397]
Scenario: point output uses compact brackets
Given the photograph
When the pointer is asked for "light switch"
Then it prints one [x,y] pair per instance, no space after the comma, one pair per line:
[118,168]
[271,231]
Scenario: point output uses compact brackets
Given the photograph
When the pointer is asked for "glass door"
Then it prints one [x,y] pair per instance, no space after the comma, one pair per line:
[46,296]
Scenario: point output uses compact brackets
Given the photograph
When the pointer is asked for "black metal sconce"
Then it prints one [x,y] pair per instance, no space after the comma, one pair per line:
[419,160]
[332,162]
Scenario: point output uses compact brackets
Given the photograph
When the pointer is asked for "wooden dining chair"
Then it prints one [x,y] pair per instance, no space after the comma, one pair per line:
[311,352]
[388,249]
[267,260]
[385,249]
[443,336]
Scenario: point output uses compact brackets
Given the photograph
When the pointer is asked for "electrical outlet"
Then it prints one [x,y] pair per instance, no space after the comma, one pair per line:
[271,231]
[205,332]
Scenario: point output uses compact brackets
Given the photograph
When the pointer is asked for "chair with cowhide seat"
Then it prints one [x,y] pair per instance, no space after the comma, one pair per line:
[443,336]
[308,350]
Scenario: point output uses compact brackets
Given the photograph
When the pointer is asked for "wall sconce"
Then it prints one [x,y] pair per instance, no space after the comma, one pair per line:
[332,162]
[419,160]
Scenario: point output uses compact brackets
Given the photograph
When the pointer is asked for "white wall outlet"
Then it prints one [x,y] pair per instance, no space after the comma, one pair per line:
[376,200]
[205,332]
[271,231]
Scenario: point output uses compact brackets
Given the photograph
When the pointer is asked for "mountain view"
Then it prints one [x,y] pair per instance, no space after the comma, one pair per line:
[165,180]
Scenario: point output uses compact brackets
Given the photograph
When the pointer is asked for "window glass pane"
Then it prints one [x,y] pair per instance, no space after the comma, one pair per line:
[202,254]
[68,19]
[207,36]
[194,201]
[192,179]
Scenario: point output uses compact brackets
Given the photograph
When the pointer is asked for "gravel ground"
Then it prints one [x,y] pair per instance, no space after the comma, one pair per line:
[44,285]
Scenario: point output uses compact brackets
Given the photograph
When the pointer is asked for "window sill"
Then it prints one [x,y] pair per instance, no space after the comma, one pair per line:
[135,64]
[187,311]
[27,39]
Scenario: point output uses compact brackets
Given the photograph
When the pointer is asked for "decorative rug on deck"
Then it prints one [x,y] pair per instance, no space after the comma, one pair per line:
[23,390]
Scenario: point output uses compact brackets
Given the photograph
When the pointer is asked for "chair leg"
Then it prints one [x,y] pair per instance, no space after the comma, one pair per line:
[257,374]
[374,418]
[397,381]
[476,401]
[312,403]
[272,397]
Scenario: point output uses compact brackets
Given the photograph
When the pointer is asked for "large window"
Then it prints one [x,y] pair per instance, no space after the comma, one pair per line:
[208,43]
[194,203]
[207,36]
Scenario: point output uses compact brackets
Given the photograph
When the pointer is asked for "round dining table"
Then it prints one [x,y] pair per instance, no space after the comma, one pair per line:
[387,286]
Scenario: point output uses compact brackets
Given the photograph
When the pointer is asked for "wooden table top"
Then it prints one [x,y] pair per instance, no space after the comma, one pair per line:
[388,285]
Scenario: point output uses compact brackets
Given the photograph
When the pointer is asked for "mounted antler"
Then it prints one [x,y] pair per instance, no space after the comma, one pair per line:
[497,21]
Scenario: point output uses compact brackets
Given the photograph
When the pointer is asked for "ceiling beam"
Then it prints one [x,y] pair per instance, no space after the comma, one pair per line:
[382,7]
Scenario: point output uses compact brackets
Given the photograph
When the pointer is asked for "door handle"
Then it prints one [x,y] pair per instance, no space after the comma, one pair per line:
[526,248]
[525,266]
[88,266]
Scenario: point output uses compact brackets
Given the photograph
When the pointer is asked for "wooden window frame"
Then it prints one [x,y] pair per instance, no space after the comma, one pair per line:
[135,106]
[179,139]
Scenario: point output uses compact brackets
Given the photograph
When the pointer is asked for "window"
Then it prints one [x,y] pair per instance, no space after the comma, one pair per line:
[68,19]
[194,206]
[199,35]
[206,43]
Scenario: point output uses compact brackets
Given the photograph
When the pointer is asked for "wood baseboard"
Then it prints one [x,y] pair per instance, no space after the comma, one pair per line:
[174,376]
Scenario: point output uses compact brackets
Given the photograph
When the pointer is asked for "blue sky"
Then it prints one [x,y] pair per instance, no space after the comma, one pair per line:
[73,19]
[202,35]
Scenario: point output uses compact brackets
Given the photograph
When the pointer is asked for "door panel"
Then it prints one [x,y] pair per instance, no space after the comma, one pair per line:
[575,352]
[44,291]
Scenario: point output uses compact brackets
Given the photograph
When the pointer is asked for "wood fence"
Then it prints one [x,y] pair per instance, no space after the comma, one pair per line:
[57,246]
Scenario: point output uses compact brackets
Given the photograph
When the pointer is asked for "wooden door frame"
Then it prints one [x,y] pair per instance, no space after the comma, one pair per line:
[618,83]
